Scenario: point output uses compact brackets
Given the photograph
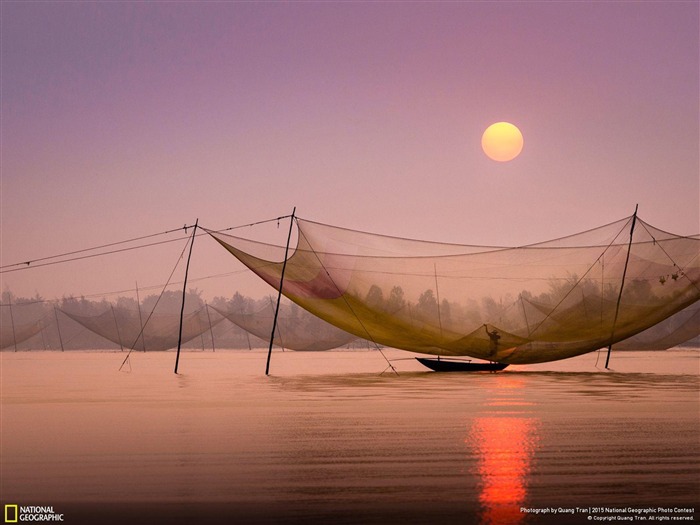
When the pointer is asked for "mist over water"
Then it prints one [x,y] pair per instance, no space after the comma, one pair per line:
[328,438]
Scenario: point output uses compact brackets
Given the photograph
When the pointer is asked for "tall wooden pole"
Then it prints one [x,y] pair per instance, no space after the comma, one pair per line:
[622,284]
[58,328]
[143,328]
[184,292]
[116,325]
[247,334]
[12,320]
[279,294]
[211,331]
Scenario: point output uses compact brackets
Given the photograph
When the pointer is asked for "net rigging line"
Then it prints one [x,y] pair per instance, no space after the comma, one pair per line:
[31,264]
[278,219]
[143,327]
[680,269]
[25,265]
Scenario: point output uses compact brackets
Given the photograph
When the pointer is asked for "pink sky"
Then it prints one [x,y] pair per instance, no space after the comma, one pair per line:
[124,119]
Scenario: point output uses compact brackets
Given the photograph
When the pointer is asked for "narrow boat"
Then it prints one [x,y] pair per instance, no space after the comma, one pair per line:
[460,365]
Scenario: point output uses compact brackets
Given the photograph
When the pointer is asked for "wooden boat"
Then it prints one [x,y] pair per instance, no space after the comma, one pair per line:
[460,365]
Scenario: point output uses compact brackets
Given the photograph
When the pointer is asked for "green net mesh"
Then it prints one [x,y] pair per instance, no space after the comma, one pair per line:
[527,304]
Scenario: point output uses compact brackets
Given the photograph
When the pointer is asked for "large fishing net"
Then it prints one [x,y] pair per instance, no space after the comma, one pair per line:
[296,329]
[134,330]
[527,304]
[678,329]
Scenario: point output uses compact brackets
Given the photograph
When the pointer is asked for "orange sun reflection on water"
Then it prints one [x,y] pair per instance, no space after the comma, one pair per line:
[504,443]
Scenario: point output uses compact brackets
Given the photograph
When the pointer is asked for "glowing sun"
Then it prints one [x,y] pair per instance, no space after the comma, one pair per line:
[502,141]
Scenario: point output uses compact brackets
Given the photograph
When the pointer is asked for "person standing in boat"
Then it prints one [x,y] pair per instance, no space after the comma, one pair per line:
[494,336]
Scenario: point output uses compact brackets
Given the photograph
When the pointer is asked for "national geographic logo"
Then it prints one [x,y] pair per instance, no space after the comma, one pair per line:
[30,513]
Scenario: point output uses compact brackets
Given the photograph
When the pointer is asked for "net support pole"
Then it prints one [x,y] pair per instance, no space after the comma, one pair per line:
[247,334]
[184,293]
[211,330]
[58,328]
[116,325]
[143,328]
[622,284]
[279,293]
[12,320]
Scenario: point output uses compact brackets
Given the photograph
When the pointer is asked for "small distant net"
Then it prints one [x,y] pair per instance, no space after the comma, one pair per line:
[542,302]
[13,335]
[296,329]
[133,330]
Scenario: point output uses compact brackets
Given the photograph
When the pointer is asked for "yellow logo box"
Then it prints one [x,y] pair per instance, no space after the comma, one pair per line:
[11,513]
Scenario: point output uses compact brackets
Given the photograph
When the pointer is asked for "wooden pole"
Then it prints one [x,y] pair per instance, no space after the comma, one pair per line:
[437,297]
[184,292]
[279,332]
[116,325]
[201,332]
[143,328]
[12,320]
[279,294]
[622,284]
[247,334]
[211,330]
[43,339]
[58,327]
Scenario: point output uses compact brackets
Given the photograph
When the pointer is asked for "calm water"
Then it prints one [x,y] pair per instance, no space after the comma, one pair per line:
[327,439]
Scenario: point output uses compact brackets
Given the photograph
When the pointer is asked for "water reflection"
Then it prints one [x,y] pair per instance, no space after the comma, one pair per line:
[504,441]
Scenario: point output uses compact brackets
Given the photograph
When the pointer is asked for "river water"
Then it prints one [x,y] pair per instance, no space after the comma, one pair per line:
[328,438]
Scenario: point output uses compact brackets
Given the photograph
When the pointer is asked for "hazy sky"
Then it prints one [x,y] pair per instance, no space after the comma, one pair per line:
[123,119]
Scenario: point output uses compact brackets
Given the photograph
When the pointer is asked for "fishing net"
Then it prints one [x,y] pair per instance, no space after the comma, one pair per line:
[132,329]
[296,329]
[13,335]
[21,321]
[674,331]
[527,304]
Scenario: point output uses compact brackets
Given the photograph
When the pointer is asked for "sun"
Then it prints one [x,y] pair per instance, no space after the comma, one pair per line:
[502,141]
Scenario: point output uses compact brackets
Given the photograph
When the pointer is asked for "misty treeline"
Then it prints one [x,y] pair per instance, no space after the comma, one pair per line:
[33,323]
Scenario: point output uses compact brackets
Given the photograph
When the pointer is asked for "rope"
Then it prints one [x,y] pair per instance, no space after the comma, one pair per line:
[25,264]
[682,272]
[156,303]
[278,219]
